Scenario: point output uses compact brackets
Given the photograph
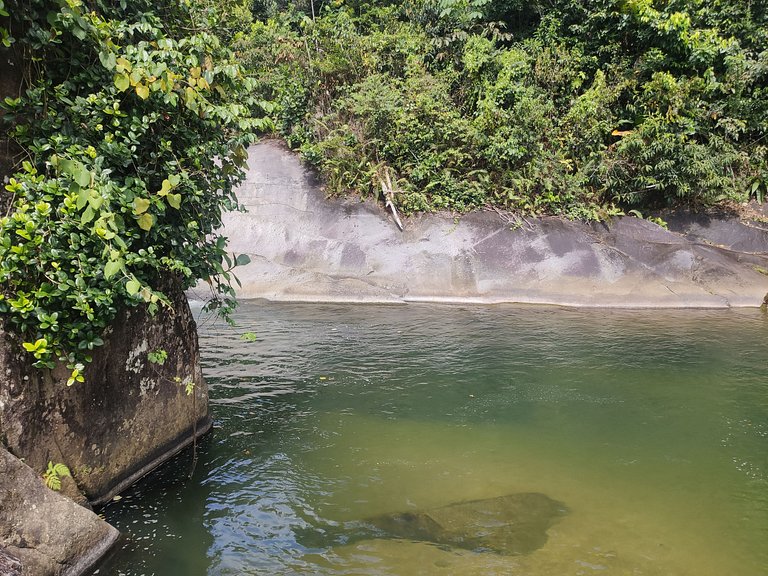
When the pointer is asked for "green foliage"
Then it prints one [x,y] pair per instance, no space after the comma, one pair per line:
[134,137]
[53,475]
[577,109]
[157,357]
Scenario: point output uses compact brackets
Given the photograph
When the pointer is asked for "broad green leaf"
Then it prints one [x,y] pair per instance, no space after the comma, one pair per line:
[174,179]
[82,175]
[87,216]
[140,205]
[82,197]
[122,82]
[95,200]
[146,221]
[108,60]
[242,260]
[133,286]
[112,267]
[79,33]
[174,200]
[63,164]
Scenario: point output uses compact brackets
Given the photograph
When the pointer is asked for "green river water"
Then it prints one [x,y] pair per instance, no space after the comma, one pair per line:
[651,426]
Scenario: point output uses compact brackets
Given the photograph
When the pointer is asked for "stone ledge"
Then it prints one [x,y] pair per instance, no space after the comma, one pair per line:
[43,531]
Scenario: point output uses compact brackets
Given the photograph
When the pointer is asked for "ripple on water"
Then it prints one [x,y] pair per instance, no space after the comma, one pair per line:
[650,426]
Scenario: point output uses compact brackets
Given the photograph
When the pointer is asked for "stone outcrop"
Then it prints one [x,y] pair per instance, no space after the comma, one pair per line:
[43,532]
[305,247]
[126,418]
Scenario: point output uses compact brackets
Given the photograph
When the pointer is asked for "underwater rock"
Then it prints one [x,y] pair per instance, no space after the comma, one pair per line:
[508,525]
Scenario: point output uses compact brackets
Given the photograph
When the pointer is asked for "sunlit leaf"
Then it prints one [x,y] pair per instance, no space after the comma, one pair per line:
[122,82]
[146,221]
[107,60]
[133,286]
[174,200]
[112,267]
[140,205]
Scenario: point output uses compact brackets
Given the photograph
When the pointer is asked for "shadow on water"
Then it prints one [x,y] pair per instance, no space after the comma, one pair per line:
[348,438]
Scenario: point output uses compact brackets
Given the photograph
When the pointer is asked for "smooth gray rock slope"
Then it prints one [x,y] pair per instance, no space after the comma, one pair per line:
[304,247]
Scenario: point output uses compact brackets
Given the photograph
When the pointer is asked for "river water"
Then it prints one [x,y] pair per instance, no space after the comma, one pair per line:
[650,426]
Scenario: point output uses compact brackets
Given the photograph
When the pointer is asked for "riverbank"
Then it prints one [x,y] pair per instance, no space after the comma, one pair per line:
[304,247]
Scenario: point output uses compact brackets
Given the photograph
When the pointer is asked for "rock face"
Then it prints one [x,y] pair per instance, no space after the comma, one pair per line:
[42,532]
[125,419]
[306,248]
[508,525]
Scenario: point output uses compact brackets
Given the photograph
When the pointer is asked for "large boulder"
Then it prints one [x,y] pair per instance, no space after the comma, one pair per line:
[306,247]
[126,418]
[43,533]
[508,525]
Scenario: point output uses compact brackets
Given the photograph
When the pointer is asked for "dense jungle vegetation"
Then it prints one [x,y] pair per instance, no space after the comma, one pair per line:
[131,121]
[560,107]
[132,118]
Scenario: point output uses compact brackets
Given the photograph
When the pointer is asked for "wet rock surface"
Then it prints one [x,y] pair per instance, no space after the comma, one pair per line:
[304,247]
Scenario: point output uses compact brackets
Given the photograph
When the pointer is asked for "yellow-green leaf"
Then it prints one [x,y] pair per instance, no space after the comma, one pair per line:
[133,286]
[140,205]
[165,188]
[122,82]
[123,65]
[111,268]
[174,200]
[142,91]
[146,221]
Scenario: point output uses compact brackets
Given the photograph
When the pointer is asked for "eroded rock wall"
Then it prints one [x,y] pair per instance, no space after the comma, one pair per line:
[308,248]
[126,418]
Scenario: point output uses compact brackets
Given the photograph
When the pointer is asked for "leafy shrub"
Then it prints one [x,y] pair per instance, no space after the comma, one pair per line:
[134,139]
[584,110]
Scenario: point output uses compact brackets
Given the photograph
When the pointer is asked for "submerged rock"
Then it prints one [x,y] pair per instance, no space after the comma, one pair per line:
[508,525]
